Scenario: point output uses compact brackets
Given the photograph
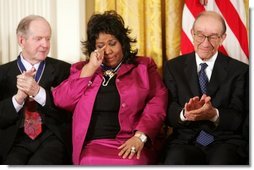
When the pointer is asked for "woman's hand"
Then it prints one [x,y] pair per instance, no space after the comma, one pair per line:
[131,147]
[95,60]
[97,57]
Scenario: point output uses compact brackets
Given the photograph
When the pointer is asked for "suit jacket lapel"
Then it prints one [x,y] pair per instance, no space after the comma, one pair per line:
[124,69]
[191,74]
[218,75]
[12,73]
[47,75]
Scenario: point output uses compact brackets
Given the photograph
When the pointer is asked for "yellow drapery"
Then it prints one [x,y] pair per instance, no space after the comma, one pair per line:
[155,23]
[144,18]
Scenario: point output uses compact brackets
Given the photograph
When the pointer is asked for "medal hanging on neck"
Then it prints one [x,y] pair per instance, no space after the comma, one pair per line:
[109,73]
[38,72]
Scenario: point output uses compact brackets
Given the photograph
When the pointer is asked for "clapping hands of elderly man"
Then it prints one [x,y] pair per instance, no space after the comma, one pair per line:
[199,109]
[27,86]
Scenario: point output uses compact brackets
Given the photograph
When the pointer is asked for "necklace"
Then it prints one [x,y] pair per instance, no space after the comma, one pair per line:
[109,74]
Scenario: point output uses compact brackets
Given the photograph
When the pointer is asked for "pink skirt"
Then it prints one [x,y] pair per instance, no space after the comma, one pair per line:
[105,152]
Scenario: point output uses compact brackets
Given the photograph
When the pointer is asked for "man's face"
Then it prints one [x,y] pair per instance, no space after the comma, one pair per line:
[36,44]
[207,36]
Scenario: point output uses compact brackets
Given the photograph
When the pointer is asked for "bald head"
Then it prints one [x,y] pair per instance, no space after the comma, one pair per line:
[213,16]
[24,24]
[208,34]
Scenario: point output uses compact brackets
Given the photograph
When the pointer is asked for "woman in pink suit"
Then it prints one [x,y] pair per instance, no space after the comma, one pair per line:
[118,100]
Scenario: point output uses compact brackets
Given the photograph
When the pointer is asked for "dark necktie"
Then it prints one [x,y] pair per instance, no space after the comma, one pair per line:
[32,125]
[203,138]
[203,80]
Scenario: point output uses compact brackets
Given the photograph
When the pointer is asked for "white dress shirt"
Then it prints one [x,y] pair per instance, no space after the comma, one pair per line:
[208,71]
[41,95]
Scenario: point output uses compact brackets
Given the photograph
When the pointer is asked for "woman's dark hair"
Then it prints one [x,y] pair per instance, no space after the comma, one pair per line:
[110,23]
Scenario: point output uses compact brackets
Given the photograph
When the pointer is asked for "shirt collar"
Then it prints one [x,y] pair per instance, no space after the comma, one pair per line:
[27,65]
[209,62]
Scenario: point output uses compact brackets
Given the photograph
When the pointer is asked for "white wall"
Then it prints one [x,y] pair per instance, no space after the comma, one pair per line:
[69,27]
[65,16]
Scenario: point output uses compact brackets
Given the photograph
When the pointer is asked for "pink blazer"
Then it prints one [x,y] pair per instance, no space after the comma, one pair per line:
[142,107]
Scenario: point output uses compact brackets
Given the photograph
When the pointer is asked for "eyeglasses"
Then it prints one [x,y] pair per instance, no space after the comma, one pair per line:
[211,38]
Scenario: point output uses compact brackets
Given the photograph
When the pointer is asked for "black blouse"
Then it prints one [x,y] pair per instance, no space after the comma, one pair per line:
[104,121]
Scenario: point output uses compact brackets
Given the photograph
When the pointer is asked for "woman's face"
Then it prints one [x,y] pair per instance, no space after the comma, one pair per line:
[113,53]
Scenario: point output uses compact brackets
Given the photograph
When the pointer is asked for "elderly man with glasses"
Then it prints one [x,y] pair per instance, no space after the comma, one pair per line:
[208,100]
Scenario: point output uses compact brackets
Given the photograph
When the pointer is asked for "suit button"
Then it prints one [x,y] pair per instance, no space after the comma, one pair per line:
[90,83]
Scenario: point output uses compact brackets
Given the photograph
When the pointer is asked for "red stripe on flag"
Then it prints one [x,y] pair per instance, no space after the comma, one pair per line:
[235,23]
[222,49]
[186,45]
[194,6]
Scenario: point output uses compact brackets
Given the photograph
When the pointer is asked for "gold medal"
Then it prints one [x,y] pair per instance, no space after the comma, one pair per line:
[108,74]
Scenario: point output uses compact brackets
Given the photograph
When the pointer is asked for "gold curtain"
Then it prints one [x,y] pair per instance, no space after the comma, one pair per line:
[144,18]
[173,22]
[155,23]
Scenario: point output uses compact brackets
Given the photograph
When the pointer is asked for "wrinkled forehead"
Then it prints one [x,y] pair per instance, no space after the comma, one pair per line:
[209,24]
[39,26]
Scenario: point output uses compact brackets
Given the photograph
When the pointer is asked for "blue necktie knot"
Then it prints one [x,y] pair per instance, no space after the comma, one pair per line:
[203,66]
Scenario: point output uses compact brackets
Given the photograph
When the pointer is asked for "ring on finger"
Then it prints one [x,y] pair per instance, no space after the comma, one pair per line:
[133,149]
[96,53]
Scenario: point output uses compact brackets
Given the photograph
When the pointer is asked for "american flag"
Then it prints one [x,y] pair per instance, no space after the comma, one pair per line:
[236,44]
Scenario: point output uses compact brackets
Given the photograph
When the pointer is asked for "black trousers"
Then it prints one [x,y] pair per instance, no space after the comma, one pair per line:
[46,149]
[195,154]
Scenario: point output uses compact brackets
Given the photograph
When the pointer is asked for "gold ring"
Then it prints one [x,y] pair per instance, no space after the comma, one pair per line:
[96,52]
[133,149]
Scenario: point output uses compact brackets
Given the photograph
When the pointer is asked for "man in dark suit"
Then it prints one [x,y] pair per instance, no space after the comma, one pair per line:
[30,79]
[207,106]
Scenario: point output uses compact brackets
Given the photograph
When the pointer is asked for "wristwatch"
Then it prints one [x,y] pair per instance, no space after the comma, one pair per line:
[142,137]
